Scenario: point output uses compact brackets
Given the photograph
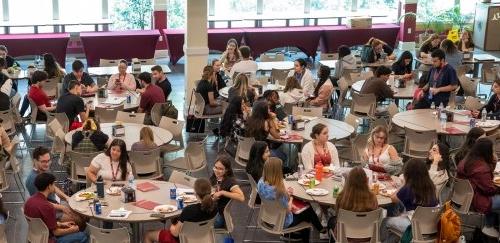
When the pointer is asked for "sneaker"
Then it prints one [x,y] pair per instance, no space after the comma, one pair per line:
[490,231]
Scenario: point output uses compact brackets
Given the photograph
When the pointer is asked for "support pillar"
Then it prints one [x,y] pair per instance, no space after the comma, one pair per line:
[408,25]
[160,23]
[195,45]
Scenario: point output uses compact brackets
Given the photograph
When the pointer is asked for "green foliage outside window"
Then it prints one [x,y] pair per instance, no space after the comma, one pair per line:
[132,14]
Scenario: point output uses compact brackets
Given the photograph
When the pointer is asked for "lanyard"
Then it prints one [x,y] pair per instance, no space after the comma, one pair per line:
[114,173]
[435,76]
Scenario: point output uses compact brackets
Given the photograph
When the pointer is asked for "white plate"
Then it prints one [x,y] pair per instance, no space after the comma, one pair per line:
[114,191]
[305,182]
[488,123]
[80,198]
[165,208]
[317,192]
[381,186]
[188,198]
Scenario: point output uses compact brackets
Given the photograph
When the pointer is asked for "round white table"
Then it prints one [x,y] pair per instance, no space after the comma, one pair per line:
[399,93]
[224,92]
[132,130]
[115,99]
[336,130]
[138,215]
[426,119]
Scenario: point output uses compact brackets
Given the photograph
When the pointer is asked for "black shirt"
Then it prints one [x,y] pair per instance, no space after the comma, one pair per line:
[86,80]
[428,48]
[493,107]
[70,104]
[225,185]
[4,102]
[165,86]
[11,61]
[194,213]
[204,87]
[399,69]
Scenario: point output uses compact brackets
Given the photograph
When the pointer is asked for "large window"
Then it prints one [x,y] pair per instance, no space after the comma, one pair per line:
[385,11]
[130,14]
[30,11]
[80,11]
[176,13]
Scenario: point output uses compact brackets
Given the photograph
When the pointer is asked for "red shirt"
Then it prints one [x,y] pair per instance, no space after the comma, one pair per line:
[38,206]
[38,96]
[152,95]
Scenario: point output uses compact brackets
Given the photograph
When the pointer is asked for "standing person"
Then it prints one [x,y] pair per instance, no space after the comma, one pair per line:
[231,55]
[147,141]
[377,85]
[438,162]
[470,139]
[453,56]
[429,46]
[52,68]
[112,165]
[4,53]
[226,188]
[380,155]
[465,44]
[150,95]
[293,91]
[161,80]
[89,86]
[39,96]
[319,150]
[493,105]
[90,139]
[246,65]
[122,81]
[219,76]
[442,80]
[404,65]
[304,75]
[72,104]
[477,167]
[418,190]
[323,91]
[233,121]
[206,89]
[37,206]
[272,188]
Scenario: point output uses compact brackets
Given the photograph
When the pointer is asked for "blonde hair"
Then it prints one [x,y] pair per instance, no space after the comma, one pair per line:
[90,125]
[291,83]
[241,84]
[375,42]
[146,135]
[272,174]
[430,39]
[376,130]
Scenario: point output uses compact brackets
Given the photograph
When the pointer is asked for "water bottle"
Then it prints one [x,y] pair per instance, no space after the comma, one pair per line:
[131,181]
[484,115]
[301,170]
[462,239]
[100,187]
[442,119]
[433,106]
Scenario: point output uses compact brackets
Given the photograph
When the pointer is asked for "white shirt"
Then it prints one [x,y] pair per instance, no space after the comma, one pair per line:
[292,96]
[245,66]
[307,82]
[103,165]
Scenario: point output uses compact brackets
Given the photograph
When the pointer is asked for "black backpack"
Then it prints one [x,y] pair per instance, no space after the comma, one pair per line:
[367,54]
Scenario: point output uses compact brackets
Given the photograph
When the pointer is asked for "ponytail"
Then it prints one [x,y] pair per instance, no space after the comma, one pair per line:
[207,203]
[203,190]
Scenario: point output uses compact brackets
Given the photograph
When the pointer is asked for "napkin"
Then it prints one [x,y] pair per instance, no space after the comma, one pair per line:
[453,130]
[146,204]
[146,187]
[119,213]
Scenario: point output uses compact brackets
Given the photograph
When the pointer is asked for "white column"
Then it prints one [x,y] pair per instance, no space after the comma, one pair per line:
[55,9]
[195,45]
[5,9]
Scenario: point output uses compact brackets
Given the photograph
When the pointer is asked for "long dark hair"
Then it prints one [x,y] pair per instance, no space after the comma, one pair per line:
[124,160]
[356,196]
[470,140]
[418,180]
[444,151]
[203,190]
[448,47]
[226,162]
[482,151]
[51,66]
[401,60]
[324,74]
[255,162]
[255,123]
[232,112]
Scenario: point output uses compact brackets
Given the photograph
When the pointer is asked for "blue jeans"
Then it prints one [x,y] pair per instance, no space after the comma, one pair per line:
[492,217]
[79,237]
[219,222]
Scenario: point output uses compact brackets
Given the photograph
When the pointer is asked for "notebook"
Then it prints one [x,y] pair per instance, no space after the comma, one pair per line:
[299,206]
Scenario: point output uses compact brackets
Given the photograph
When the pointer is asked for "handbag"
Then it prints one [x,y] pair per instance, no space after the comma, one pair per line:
[367,54]
[193,124]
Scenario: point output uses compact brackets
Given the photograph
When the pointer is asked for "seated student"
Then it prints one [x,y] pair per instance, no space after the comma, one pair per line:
[378,84]
[39,96]
[293,92]
[147,141]
[403,66]
[4,139]
[271,187]
[380,49]
[470,139]
[206,89]
[122,81]
[233,121]
[226,188]
[442,80]
[150,95]
[5,80]
[219,76]
[3,212]
[72,104]
[246,65]
[380,155]
[204,209]
[241,88]
[346,61]
[37,206]
[161,80]
[112,165]
[89,86]
[52,68]
[273,100]
[90,139]
[439,165]
[323,91]
[10,61]
[418,190]
[259,153]
[263,123]
[304,75]
[493,105]
[41,164]
[319,150]
[465,44]
[478,167]
[453,56]
[231,55]
[429,46]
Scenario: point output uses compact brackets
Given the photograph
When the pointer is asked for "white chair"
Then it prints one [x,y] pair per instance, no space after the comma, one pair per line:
[310,111]
[175,127]
[418,143]
[196,232]
[8,122]
[468,85]
[472,103]
[194,159]
[50,87]
[147,61]
[156,113]
[178,177]
[228,220]
[199,108]
[360,76]
[99,235]
[252,205]
[79,163]
[33,120]
[56,121]
[277,57]
[342,101]
[107,114]
[424,224]
[108,62]
[146,164]
[59,149]
[243,150]
[462,195]
[37,231]
[4,180]
[363,105]
[3,234]
[329,56]
[15,101]
[358,225]
[130,117]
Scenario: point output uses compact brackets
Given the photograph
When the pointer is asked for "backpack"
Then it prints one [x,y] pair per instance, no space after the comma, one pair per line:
[407,236]
[367,54]
[449,225]
[169,110]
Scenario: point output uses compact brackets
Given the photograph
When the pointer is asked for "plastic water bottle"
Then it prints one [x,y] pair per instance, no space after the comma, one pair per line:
[484,115]
[131,181]
[433,106]
[301,170]
[442,119]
